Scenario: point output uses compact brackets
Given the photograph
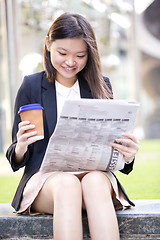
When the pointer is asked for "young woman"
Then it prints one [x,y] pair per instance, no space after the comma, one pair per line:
[72,70]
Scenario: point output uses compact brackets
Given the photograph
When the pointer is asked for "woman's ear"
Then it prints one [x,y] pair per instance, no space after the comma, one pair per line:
[48,44]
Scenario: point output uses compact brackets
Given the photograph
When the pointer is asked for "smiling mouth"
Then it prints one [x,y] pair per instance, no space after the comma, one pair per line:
[68,69]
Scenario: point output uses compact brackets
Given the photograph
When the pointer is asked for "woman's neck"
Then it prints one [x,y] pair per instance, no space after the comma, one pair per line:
[66,82]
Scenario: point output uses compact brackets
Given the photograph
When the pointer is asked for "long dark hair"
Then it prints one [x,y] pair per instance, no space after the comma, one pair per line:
[76,26]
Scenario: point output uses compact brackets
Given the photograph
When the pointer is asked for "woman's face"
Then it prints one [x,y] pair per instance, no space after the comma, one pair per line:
[68,56]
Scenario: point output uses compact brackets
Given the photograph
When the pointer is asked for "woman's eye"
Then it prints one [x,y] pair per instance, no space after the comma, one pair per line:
[63,54]
[81,56]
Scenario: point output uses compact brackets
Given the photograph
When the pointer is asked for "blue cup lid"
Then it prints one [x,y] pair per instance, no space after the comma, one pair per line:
[30,107]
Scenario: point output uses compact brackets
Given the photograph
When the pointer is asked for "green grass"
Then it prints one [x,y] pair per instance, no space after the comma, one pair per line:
[8,185]
[149,146]
[142,183]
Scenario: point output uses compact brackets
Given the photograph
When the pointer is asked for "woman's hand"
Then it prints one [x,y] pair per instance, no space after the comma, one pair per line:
[24,139]
[128,146]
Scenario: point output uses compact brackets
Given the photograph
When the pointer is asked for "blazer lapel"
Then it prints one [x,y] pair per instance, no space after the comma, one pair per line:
[85,91]
[49,103]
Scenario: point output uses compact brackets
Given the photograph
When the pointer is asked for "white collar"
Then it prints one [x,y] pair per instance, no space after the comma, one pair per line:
[64,91]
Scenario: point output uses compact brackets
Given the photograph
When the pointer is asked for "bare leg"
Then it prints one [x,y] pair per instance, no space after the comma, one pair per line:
[62,196]
[97,194]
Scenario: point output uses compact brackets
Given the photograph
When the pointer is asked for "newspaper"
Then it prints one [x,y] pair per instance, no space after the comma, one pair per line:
[84,130]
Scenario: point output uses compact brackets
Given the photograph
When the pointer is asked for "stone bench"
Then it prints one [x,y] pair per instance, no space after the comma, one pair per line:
[141,222]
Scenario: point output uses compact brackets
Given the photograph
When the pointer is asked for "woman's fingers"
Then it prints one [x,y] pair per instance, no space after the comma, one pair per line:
[34,139]
[23,123]
[128,146]
[130,136]
[128,142]
[25,138]
[24,126]
[128,153]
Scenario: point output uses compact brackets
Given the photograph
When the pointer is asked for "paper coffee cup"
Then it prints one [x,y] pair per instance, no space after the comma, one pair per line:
[34,114]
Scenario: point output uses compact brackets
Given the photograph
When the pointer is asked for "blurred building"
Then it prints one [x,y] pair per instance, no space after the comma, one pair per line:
[149,45]
[128,35]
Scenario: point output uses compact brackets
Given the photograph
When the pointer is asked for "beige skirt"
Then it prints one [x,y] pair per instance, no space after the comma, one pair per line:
[36,182]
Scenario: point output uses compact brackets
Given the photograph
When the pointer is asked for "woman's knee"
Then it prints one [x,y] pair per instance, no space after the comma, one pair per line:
[64,183]
[58,187]
[94,182]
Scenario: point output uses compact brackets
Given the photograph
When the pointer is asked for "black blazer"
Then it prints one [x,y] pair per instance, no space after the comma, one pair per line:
[37,89]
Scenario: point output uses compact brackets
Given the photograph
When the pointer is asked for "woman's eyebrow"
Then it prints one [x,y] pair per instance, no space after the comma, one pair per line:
[84,51]
[61,48]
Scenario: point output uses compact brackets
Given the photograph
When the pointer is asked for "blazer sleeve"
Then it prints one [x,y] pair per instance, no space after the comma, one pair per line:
[128,167]
[23,97]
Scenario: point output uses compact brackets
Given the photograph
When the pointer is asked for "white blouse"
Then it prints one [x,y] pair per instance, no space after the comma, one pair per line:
[64,93]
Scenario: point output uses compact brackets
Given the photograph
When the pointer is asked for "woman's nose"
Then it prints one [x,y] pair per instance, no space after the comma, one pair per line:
[70,62]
